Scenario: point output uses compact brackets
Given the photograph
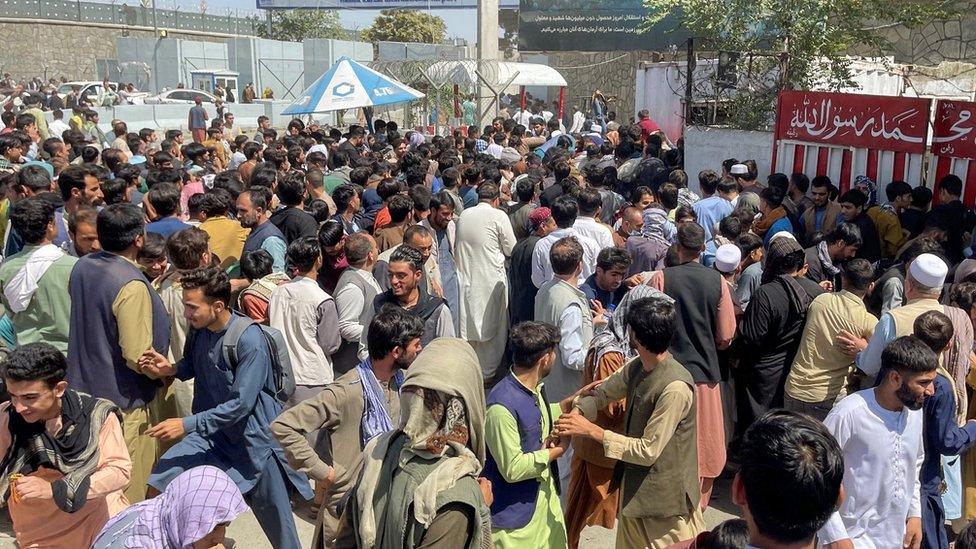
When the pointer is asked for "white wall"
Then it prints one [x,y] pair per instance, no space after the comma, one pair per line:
[707,147]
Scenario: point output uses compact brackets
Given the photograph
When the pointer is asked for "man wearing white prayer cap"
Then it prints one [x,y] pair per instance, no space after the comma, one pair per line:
[727,259]
[923,285]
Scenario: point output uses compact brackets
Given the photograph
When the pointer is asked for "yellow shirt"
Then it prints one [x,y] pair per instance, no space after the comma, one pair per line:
[133,314]
[226,239]
[820,368]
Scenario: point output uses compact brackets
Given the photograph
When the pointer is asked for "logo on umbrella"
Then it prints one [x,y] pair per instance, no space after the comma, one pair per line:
[343,89]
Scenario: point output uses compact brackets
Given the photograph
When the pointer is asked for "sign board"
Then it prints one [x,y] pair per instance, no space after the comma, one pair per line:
[954,130]
[592,25]
[376,4]
[897,124]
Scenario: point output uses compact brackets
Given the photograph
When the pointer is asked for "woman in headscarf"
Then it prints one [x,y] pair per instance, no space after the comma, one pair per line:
[192,513]
[594,501]
[419,485]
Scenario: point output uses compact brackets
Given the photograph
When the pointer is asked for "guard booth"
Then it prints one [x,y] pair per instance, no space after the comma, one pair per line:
[208,79]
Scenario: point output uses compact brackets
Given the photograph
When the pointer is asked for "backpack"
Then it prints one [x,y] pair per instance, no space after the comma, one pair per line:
[281,370]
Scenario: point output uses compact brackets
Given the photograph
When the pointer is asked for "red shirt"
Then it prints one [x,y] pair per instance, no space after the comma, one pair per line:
[647,127]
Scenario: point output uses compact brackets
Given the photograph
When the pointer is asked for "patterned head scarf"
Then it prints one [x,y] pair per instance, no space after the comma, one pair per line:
[416,139]
[657,226]
[189,509]
[867,186]
[616,336]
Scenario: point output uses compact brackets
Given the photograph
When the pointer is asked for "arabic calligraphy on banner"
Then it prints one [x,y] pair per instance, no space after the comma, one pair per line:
[954,131]
[854,120]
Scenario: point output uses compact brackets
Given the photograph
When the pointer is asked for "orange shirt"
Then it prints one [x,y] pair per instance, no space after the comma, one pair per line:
[382,219]
[40,523]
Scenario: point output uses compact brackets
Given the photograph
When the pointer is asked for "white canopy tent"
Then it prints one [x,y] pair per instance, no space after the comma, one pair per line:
[510,74]
[501,77]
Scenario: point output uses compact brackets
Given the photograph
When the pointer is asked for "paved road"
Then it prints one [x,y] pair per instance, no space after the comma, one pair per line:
[246,534]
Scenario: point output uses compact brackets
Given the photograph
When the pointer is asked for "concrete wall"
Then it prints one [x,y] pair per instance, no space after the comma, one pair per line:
[269,64]
[169,60]
[54,50]
[707,147]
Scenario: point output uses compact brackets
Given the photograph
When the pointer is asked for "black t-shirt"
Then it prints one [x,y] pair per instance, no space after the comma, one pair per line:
[550,194]
[294,223]
[912,221]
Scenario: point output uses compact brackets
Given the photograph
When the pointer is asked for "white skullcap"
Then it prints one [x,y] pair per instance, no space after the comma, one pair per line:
[727,258]
[782,234]
[739,169]
[928,270]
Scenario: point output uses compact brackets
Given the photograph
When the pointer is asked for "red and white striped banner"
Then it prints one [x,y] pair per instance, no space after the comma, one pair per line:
[954,147]
[844,135]
[842,164]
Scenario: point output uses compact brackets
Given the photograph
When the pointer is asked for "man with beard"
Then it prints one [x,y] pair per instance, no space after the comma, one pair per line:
[252,212]
[79,187]
[408,294]
[825,213]
[923,286]
[362,403]
[879,431]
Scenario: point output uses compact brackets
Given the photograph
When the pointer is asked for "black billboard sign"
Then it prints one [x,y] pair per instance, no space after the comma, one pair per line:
[592,25]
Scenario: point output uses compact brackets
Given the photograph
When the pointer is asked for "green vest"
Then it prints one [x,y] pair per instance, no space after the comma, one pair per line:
[396,526]
[905,316]
[669,487]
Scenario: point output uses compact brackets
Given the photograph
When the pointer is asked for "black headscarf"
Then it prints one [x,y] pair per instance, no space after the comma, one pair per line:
[73,451]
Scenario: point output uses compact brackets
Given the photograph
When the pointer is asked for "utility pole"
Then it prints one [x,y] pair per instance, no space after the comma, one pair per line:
[270,36]
[689,81]
[487,52]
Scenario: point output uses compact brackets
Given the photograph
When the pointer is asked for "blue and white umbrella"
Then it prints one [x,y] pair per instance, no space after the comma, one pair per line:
[350,85]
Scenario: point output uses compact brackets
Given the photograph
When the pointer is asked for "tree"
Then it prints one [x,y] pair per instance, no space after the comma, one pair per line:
[406,26]
[297,25]
[804,44]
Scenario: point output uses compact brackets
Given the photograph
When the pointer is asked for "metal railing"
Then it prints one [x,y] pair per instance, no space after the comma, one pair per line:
[132,13]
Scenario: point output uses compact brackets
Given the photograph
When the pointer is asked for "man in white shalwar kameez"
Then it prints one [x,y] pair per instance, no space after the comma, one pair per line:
[879,431]
[484,239]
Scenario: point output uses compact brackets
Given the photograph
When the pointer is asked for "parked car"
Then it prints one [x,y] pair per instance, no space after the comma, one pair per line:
[180,96]
[94,93]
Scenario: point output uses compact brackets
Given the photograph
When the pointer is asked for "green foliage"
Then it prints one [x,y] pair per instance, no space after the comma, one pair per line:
[297,25]
[810,39]
[406,26]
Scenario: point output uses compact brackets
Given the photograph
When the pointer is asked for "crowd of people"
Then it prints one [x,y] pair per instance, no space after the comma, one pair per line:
[497,337]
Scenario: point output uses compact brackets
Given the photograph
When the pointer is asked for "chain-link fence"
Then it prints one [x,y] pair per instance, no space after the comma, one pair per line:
[437,78]
[242,22]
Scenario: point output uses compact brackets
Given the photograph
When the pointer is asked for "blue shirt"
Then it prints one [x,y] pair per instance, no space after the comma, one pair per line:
[166,226]
[606,297]
[232,408]
[469,195]
[943,437]
[276,247]
[198,117]
[869,360]
[818,218]
[710,211]
[781,224]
